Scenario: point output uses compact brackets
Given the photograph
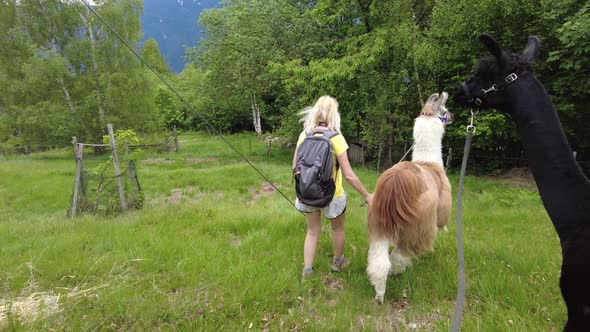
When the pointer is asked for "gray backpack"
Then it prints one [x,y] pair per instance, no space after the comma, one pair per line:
[314,184]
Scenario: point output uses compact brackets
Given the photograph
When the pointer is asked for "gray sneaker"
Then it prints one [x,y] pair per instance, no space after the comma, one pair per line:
[339,264]
[307,273]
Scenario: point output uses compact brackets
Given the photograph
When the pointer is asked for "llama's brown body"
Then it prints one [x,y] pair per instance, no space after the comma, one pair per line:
[412,201]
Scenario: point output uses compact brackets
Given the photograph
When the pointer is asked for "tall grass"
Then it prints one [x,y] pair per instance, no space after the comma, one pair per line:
[215,249]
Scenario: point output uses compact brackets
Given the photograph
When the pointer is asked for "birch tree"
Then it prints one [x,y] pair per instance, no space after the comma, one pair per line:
[242,39]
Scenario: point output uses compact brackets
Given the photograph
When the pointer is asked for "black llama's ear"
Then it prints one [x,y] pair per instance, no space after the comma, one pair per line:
[491,45]
[532,49]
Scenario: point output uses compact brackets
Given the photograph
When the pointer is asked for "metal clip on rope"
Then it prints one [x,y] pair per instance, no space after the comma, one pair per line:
[471,128]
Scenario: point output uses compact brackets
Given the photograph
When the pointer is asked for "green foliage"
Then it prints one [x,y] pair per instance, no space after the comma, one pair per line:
[493,130]
[63,74]
[123,139]
[173,116]
[567,67]
[150,52]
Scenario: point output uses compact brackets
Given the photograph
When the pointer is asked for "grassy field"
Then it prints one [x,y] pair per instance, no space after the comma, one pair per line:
[215,248]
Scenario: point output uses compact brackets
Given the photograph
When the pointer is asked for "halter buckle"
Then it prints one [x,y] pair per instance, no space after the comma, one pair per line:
[491,89]
[511,78]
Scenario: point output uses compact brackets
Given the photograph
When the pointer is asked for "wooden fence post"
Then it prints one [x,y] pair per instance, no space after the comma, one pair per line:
[131,171]
[175,139]
[78,155]
[449,156]
[117,170]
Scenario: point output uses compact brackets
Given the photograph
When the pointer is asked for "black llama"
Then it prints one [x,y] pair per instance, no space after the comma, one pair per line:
[505,82]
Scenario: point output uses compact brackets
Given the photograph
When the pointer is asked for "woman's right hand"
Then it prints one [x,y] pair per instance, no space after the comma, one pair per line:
[369,199]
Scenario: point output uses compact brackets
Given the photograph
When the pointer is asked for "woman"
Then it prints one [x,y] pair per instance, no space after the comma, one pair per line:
[324,116]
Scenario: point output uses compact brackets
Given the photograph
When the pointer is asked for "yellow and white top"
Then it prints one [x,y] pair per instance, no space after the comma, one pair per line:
[339,146]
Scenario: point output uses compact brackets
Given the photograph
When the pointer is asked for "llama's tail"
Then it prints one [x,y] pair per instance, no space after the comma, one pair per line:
[396,200]
[404,210]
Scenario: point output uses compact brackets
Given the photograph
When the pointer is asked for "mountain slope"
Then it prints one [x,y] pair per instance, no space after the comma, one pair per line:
[174,24]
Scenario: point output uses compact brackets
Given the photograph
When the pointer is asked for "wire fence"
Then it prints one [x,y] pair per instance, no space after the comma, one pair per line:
[167,143]
[98,191]
[495,161]
[100,185]
[481,161]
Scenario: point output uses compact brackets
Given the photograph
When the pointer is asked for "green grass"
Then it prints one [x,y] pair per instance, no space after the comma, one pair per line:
[211,251]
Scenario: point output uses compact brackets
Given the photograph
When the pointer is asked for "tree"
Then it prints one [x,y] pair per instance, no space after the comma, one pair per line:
[150,52]
[63,72]
[172,115]
[109,79]
[34,73]
[264,60]
[243,37]
[568,66]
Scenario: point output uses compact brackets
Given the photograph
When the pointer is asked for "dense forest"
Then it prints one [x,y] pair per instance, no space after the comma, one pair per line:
[63,74]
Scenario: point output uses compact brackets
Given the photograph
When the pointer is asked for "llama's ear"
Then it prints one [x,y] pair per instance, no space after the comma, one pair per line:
[428,109]
[436,104]
[433,97]
[441,101]
[532,49]
[490,43]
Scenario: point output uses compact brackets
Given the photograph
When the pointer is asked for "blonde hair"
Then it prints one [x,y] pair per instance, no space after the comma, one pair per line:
[324,110]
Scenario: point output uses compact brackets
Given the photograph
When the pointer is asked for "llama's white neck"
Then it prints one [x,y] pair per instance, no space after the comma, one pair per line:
[428,134]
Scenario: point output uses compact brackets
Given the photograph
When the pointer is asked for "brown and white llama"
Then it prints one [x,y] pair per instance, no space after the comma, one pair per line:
[412,200]
[505,81]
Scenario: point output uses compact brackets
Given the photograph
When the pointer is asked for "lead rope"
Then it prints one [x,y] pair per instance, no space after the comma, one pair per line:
[405,154]
[404,157]
[460,303]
